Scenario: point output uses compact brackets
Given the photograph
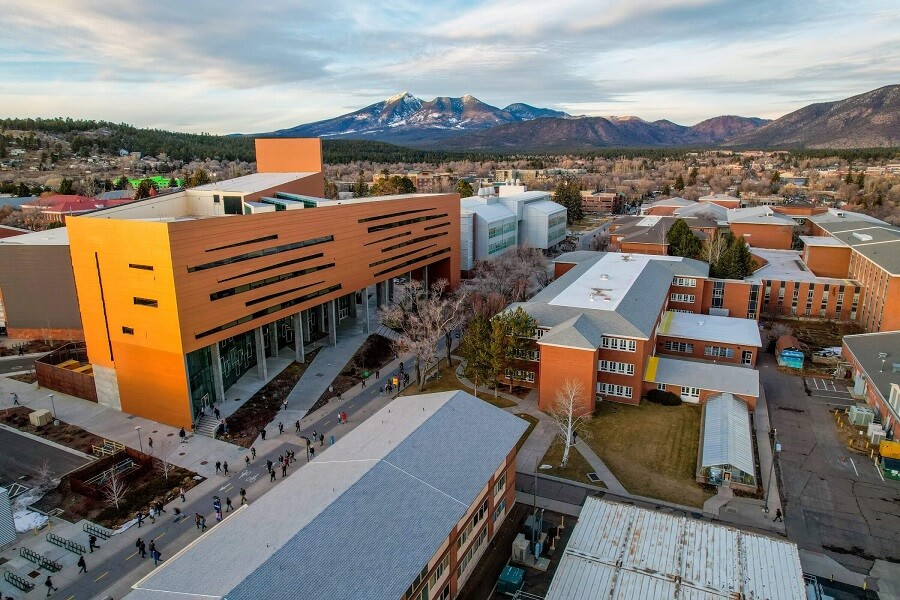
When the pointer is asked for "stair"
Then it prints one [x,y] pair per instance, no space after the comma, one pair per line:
[206,426]
[387,332]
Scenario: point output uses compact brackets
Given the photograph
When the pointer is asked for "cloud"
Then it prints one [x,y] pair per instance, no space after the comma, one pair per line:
[224,67]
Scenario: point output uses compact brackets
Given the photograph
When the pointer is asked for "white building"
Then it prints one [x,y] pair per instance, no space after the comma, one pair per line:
[492,224]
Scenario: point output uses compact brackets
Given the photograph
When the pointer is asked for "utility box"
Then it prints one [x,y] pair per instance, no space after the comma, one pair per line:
[520,548]
[40,417]
[861,415]
[511,580]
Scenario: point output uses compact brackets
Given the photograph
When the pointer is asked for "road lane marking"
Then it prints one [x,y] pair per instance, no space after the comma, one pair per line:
[225,488]
[101,577]
[132,556]
[854,467]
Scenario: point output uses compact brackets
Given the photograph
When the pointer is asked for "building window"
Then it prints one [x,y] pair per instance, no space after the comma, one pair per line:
[473,523]
[500,484]
[612,389]
[532,355]
[661,387]
[621,344]
[678,347]
[470,555]
[128,330]
[145,302]
[439,572]
[688,298]
[718,294]
[611,366]
[690,392]
[261,253]
[520,375]
[500,510]
[753,301]
[684,282]
[140,267]
[718,351]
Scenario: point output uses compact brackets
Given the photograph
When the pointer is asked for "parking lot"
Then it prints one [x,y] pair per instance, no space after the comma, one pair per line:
[23,460]
[835,500]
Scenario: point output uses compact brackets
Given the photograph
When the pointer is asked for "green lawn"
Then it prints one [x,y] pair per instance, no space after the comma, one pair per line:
[447,381]
[651,449]
[532,423]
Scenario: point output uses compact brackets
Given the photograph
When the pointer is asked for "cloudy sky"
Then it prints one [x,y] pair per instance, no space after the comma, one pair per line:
[221,66]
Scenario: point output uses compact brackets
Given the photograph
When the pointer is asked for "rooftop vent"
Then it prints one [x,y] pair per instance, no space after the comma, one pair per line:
[604,276]
[863,237]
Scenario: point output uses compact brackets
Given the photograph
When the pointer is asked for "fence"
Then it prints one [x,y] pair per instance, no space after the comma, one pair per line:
[108,448]
[120,468]
[53,371]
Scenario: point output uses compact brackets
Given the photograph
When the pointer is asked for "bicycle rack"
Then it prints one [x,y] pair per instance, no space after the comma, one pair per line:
[103,534]
[20,582]
[67,544]
[41,561]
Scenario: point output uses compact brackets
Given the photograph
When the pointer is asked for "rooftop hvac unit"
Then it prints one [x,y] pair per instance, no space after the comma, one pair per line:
[878,436]
[861,415]
[520,548]
[872,428]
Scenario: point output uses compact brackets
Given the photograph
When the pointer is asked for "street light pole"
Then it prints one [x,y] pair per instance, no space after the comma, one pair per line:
[140,443]
[53,406]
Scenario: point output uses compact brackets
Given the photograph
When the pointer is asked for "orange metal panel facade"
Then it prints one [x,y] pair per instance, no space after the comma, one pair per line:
[288,155]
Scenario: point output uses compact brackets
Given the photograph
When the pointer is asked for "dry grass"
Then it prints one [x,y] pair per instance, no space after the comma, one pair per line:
[651,449]
[576,468]
[447,381]
[532,423]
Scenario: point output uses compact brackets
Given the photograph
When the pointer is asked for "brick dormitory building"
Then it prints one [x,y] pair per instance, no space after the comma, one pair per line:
[623,324]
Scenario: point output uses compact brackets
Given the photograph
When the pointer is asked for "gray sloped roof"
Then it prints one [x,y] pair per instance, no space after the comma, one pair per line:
[359,521]
[546,206]
[726,434]
[577,332]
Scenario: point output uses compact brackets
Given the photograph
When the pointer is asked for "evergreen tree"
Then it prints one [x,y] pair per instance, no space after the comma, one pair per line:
[849,178]
[464,189]
[568,194]
[173,183]
[476,350]
[144,189]
[692,177]
[736,261]
[667,190]
[861,180]
[682,241]
[66,187]
[331,189]
[361,188]
[121,183]
[679,182]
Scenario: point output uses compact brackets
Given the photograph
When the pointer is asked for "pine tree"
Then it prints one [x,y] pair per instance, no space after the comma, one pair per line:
[682,241]
[679,183]
[568,194]
[464,189]
[361,188]
[66,187]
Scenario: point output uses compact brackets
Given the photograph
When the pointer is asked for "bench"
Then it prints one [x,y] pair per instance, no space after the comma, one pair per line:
[68,364]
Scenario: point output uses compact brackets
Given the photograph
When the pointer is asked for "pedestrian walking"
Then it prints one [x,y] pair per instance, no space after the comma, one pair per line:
[197,520]
[284,470]
[377,374]
[156,557]
[82,564]
[181,493]
[159,508]
[217,504]
[139,544]
[202,523]
[243,496]
[225,467]
[272,475]
[280,427]
[339,396]
[225,426]
[778,516]
[315,435]
[182,434]
[262,434]
[92,543]
[150,442]
[217,413]
[152,547]
[406,379]
[268,465]
[228,506]
[280,459]
[297,426]
[218,466]
[49,584]
[574,437]
[247,460]
[253,452]
[362,383]
[381,391]
[151,512]
[321,439]
[285,404]
[15,399]
[140,518]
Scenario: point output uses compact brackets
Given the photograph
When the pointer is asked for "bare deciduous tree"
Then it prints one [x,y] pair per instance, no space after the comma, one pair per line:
[515,276]
[166,452]
[421,319]
[115,488]
[714,247]
[600,242]
[567,413]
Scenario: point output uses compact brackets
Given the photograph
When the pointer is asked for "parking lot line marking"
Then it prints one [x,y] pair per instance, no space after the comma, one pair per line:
[70,597]
[101,577]
[854,467]
[877,470]
[132,556]
[845,398]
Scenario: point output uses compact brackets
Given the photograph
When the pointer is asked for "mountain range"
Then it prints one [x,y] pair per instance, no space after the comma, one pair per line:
[871,119]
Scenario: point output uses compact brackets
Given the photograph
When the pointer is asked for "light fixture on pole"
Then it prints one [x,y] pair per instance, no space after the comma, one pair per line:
[140,443]
[53,406]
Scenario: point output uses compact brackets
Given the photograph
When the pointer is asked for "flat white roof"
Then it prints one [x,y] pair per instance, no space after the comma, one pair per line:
[628,553]
[605,284]
[821,240]
[489,211]
[49,237]
[715,377]
[785,265]
[710,328]
[255,182]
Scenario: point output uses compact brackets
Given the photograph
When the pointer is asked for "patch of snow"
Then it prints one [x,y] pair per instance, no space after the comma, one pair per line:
[126,526]
[361,117]
[27,520]
[397,123]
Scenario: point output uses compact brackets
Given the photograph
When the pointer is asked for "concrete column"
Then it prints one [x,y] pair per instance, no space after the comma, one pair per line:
[353,305]
[304,326]
[366,310]
[262,370]
[389,284]
[218,381]
[299,349]
[321,317]
[273,339]
[425,279]
[378,295]
[332,323]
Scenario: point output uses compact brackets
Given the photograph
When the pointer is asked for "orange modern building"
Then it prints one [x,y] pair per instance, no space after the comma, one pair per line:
[609,319]
[180,295]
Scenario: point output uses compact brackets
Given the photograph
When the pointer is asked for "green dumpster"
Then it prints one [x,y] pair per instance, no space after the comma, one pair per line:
[511,580]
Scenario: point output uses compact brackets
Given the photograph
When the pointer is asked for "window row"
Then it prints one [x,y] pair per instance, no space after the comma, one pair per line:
[520,375]
[611,366]
[678,347]
[718,351]
[533,355]
[470,555]
[611,389]
[689,298]
[614,343]
[684,282]
[473,523]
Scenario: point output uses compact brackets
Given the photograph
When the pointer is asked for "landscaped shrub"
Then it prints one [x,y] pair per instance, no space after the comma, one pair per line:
[663,397]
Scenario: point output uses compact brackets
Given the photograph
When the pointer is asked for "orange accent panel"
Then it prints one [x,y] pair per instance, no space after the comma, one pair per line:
[287,155]
[153,384]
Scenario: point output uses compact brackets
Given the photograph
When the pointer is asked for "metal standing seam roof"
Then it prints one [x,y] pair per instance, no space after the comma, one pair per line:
[866,348]
[360,520]
[726,434]
[759,214]
[716,377]
[628,553]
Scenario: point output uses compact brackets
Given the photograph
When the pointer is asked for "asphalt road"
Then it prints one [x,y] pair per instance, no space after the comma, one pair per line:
[835,501]
[24,456]
[13,364]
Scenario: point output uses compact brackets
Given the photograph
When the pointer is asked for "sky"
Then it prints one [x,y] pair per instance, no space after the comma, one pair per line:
[222,66]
